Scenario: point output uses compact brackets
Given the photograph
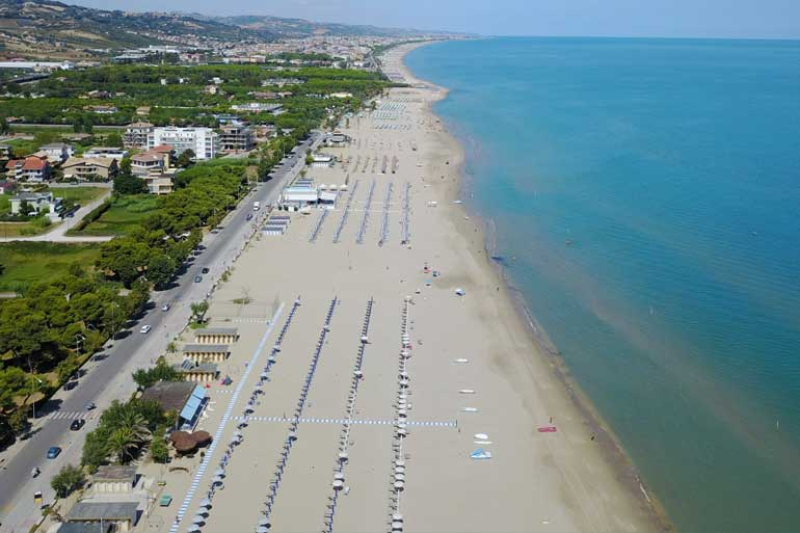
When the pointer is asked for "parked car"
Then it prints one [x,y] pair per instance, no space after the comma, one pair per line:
[198,279]
[77,424]
[165,307]
[205,270]
[145,329]
[53,452]
[90,405]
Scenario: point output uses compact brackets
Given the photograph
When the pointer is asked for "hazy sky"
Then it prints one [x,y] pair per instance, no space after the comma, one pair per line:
[668,18]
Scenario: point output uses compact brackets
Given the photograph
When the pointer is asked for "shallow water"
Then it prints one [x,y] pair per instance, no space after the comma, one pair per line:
[646,200]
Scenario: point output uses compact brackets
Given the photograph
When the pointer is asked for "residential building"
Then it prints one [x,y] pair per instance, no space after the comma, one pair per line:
[5,151]
[106,152]
[236,138]
[258,107]
[159,186]
[37,202]
[90,168]
[204,142]
[136,135]
[58,152]
[30,169]
[102,109]
[148,163]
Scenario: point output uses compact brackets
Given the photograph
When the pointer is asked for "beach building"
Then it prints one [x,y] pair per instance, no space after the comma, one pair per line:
[121,515]
[183,397]
[114,479]
[37,66]
[198,372]
[136,135]
[337,138]
[90,168]
[322,161]
[206,353]
[236,138]
[204,142]
[86,527]
[216,336]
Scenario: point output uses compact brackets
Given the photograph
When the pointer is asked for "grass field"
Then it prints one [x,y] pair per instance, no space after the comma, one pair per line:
[28,262]
[125,213]
[78,195]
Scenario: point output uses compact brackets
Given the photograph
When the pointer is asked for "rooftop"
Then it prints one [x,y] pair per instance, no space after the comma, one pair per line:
[206,348]
[216,331]
[88,511]
[172,395]
[115,473]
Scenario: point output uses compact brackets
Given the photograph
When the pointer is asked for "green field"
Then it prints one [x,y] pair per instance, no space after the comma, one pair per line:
[78,195]
[125,213]
[28,262]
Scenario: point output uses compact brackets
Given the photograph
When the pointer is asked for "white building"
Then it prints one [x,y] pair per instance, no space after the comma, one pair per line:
[204,142]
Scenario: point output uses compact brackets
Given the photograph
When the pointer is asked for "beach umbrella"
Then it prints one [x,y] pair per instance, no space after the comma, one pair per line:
[198,520]
[201,511]
[217,480]
[220,472]
[397,517]
[193,529]
[205,503]
[264,522]
[202,438]
[262,529]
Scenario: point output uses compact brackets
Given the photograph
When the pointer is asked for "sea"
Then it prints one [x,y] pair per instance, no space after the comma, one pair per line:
[643,197]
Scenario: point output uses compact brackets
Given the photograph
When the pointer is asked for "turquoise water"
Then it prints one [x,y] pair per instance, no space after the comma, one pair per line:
[646,198]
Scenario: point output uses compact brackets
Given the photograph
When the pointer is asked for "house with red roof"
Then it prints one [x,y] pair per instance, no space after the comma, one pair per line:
[30,169]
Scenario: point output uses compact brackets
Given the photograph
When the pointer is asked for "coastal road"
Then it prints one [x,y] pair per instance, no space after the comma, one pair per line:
[109,378]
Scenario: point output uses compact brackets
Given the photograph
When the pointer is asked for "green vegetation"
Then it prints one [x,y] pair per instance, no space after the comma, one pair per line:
[161,372]
[69,479]
[27,263]
[124,431]
[186,102]
[120,216]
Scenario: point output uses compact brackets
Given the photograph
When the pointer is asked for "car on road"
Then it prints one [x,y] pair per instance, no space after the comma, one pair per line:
[165,307]
[145,329]
[77,424]
[198,279]
[249,216]
[53,452]
[205,270]
[90,405]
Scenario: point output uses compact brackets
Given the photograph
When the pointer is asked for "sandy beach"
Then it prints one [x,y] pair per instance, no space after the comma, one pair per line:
[384,362]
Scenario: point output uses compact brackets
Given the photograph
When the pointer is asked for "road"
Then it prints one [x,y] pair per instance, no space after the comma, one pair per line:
[58,234]
[110,379]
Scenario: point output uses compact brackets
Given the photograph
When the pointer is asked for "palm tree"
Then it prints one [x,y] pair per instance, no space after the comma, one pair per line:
[121,445]
[137,425]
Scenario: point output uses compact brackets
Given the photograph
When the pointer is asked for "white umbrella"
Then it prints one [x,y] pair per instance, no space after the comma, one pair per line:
[193,529]
[205,503]
[262,529]
[197,520]
[397,517]
[220,472]
[264,522]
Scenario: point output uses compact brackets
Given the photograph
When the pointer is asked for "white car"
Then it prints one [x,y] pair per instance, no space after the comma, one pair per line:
[145,329]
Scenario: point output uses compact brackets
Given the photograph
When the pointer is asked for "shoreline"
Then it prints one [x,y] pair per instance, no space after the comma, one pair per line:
[611,447]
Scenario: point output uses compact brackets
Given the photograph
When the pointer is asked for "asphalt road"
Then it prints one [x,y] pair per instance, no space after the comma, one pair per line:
[110,378]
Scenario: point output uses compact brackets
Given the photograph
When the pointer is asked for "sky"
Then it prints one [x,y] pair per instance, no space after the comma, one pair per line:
[771,19]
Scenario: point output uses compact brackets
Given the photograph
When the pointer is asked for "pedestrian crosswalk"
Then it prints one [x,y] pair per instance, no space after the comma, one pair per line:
[340,421]
[67,415]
